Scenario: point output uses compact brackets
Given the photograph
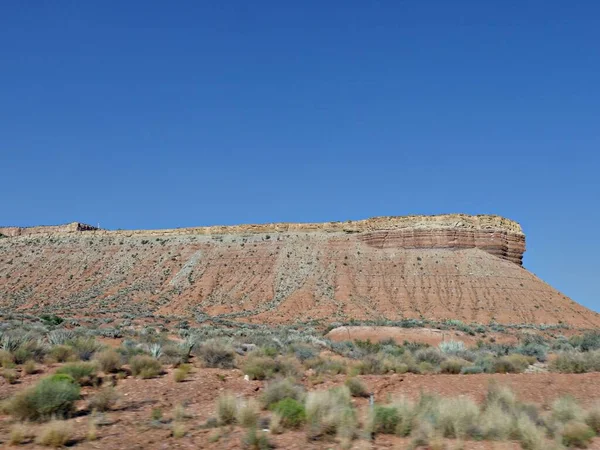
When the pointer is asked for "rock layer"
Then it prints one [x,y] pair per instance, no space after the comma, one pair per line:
[435,267]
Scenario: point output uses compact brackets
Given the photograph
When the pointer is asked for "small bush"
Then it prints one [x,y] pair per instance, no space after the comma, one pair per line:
[528,434]
[256,441]
[577,434]
[104,400]
[10,375]
[217,354]
[62,353]
[7,360]
[247,413]
[275,426]
[356,387]
[457,416]
[514,363]
[471,370]
[226,409]
[291,411]
[592,418]
[145,366]
[278,390]
[452,366]
[330,412]
[51,397]
[566,409]
[84,347]
[109,361]
[384,419]
[83,373]
[260,367]
[430,355]
[19,434]
[452,347]
[182,372]
[55,434]
[30,367]
[496,423]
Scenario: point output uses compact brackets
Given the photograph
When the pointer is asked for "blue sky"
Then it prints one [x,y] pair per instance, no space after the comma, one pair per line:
[161,114]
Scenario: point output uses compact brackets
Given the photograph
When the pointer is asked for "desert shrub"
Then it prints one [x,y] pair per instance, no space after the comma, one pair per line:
[496,422]
[275,425]
[247,413]
[452,347]
[452,365]
[55,434]
[457,417]
[566,409]
[291,412]
[471,370]
[259,367]
[538,351]
[50,397]
[325,366]
[430,355]
[371,365]
[109,361]
[83,373]
[226,409]
[10,375]
[514,363]
[6,359]
[62,353]
[592,418]
[145,366]
[304,352]
[19,434]
[281,389]
[528,434]
[84,347]
[182,372]
[572,362]
[256,441]
[217,354]
[587,342]
[499,395]
[104,400]
[174,354]
[577,434]
[356,387]
[30,367]
[383,419]
[59,336]
[330,412]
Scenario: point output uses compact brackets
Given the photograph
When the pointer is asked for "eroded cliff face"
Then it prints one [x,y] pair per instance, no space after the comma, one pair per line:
[436,267]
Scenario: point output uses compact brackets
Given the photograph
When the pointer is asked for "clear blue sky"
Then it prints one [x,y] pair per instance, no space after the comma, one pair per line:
[170,114]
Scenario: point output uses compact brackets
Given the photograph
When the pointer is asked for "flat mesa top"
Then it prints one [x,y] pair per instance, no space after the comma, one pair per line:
[442,221]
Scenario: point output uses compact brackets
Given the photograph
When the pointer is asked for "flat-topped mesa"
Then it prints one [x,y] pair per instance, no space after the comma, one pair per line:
[496,235]
[72,227]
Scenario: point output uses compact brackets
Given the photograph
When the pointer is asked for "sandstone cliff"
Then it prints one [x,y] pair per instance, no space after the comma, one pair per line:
[437,267]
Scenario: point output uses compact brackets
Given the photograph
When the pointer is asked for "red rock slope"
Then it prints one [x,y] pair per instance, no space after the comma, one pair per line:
[435,267]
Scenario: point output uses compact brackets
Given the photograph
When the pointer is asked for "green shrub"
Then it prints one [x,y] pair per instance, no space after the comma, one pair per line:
[514,363]
[471,370]
[256,441]
[384,419]
[145,366]
[577,434]
[430,355]
[30,367]
[109,361]
[278,390]
[7,360]
[217,354]
[528,434]
[50,397]
[291,411]
[259,367]
[496,422]
[83,373]
[10,375]
[457,417]
[571,362]
[356,387]
[174,354]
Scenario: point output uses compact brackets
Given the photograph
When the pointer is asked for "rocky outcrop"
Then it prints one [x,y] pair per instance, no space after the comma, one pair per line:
[72,227]
[435,267]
